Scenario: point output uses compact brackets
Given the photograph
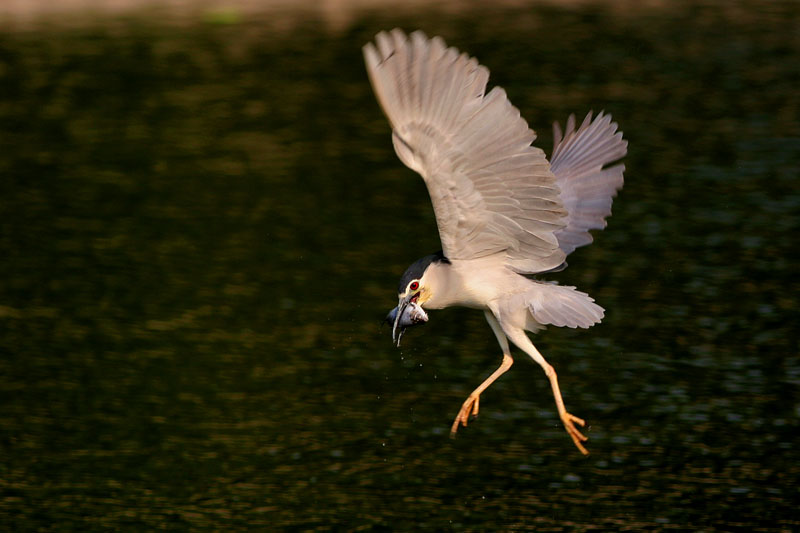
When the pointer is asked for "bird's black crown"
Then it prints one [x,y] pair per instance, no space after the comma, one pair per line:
[418,268]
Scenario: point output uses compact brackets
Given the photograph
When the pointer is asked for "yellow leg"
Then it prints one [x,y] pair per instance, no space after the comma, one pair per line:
[472,403]
[521,339]
[568,419]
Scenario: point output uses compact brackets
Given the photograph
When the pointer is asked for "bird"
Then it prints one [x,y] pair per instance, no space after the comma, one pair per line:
[505,214]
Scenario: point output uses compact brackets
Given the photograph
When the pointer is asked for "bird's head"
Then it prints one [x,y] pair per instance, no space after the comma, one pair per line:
[414,290]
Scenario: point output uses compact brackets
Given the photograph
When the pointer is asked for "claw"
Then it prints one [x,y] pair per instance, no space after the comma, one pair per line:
[468,408]
[569,421]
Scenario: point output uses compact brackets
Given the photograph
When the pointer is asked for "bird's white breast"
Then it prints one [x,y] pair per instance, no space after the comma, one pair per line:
[471,283]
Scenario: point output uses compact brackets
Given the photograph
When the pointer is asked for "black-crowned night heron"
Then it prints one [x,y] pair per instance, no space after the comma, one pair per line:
[504,213]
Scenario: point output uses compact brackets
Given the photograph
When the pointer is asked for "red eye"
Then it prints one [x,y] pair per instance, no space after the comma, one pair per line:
[414,285]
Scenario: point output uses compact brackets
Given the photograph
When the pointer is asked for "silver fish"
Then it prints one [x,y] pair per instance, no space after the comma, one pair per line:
[412,315]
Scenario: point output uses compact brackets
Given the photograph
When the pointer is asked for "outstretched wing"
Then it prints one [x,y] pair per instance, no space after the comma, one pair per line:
[587,189]
[492,192]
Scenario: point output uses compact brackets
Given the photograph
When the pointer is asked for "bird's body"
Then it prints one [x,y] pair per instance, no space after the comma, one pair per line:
[486,283]
[503,211]
[472,283]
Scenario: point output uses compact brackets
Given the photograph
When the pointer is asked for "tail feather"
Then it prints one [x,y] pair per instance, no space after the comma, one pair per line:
[563,306]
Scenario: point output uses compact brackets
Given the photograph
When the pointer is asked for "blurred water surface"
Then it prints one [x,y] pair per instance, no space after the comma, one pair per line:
[202,226]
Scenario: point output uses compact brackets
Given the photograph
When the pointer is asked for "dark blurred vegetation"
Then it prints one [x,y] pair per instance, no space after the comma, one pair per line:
[202,226]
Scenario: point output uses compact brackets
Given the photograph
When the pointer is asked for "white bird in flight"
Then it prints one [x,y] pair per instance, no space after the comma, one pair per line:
[503,212]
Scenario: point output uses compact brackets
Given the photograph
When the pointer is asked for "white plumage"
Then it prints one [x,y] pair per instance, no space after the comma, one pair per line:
[491,190]
[587,188]
[502,210]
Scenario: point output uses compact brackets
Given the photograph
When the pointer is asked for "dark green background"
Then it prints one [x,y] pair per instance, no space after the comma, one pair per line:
[202,225]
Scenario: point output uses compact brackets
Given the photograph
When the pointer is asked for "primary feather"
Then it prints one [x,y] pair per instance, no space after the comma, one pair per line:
[587,188]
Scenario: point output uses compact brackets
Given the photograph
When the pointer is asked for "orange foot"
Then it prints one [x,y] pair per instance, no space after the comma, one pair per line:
[577,437]
[468,408]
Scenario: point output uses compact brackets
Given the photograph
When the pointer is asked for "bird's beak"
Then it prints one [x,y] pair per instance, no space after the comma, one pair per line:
[407,313]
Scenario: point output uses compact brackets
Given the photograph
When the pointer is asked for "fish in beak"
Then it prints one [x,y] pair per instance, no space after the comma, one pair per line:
[407,313]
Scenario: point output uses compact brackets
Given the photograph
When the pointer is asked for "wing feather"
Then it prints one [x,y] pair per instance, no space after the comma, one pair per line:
[587,188]
[492,192]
